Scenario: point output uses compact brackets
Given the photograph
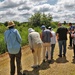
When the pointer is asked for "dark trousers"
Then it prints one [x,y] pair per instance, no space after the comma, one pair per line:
[62,47]
[16,57]
[52,50]
[70,41]
[74,49]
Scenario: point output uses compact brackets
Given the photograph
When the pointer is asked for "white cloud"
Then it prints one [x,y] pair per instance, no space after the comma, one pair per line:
[21,10]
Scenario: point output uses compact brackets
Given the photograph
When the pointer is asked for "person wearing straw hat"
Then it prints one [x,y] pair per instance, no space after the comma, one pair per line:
[13,42]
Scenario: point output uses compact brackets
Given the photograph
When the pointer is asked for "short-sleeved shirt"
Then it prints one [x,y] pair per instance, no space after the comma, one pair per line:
[46,36]
[62,31]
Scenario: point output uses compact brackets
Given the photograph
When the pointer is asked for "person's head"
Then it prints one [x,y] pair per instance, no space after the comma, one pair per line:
[59,24]
[31,30]
[50,28]
[70,24]
[11,24]
[43,27]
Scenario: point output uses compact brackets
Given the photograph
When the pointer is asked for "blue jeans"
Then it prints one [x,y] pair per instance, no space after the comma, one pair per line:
[62,47]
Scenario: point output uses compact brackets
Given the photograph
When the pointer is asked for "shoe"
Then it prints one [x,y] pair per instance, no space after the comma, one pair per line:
[44,61]
[24,73]
[74,57]
[38,66]
[60,55]
[64,55]
[49,61]
[34,66]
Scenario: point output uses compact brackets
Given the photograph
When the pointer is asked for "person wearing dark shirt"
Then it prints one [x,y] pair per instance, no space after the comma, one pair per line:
[71,28]
[62,38]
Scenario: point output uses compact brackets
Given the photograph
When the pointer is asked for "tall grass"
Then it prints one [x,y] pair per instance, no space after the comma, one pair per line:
[23,30]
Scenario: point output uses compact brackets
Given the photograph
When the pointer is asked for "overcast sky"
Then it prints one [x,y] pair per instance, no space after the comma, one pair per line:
[21,10]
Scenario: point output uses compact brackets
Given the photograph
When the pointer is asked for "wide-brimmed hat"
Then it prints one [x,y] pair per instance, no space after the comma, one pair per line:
[11,23]
[31,30]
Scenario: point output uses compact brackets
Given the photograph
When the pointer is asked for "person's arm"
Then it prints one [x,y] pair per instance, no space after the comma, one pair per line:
[57,34]
[30,43]
[51,34]
[18,36]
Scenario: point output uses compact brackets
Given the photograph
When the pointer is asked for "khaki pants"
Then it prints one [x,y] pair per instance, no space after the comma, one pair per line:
[37,54]
[46,46]
[18,62]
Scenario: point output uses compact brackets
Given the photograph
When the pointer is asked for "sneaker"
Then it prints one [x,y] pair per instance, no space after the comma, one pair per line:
[38,66]
[34,66]
[49,61]
[64,55]
[74,57]
[60,55]
[24,73]
[44,61]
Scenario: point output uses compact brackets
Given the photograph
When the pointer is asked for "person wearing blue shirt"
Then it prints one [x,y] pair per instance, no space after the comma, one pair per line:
[46,38]
[13,42]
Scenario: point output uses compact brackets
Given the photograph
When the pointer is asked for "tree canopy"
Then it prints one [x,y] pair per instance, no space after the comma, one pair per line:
[39,19]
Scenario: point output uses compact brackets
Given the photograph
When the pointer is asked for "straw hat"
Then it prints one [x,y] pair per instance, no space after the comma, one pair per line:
[11,23]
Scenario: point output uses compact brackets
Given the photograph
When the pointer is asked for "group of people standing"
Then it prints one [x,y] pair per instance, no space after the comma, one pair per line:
[38,42]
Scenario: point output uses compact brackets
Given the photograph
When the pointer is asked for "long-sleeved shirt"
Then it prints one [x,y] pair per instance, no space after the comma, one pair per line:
[34,38]
[46,38]
[12,40]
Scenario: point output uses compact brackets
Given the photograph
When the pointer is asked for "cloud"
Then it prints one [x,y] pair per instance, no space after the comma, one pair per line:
[21,10]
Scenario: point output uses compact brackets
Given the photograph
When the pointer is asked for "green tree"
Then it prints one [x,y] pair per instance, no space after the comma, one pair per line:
[34,20]
[38,19]
[64,22]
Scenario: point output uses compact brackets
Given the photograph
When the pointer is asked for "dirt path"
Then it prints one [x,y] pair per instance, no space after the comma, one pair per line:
[59,66]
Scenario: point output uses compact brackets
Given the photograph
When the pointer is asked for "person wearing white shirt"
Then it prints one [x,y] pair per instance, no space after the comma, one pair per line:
[53,42]
[35,44]
[73,36]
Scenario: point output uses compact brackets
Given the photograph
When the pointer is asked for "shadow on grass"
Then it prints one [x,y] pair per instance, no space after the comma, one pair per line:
[61,60]
[35,71]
